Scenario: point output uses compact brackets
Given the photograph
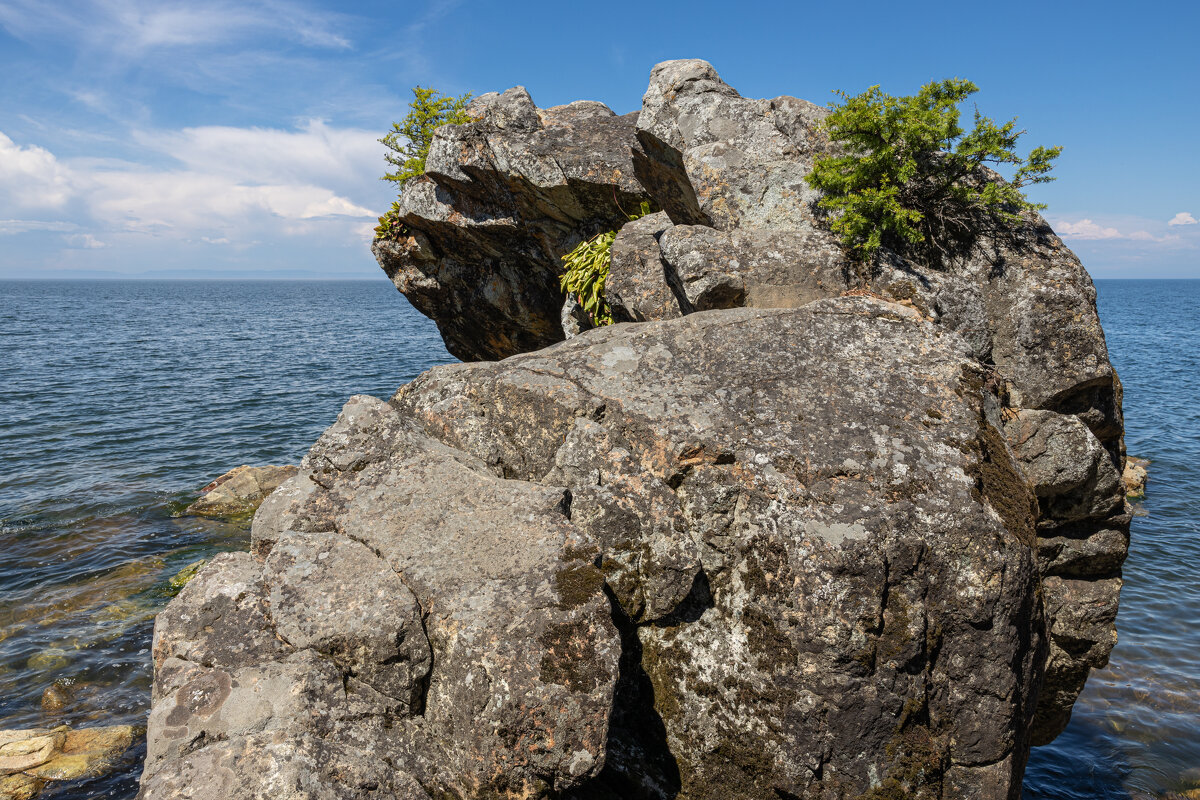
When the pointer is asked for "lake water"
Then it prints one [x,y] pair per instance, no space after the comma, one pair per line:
[119,399]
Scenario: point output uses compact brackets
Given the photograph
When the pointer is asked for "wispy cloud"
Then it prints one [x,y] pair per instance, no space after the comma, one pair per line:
[1182,218]
[131,27]
[14,226]
[314,153]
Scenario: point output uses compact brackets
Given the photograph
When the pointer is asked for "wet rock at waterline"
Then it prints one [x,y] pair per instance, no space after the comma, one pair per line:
[240,491]
[57,696]
[802,529]
[29,759]
[1134,477]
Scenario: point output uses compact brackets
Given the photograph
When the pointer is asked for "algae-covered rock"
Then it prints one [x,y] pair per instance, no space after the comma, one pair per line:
[20,786]
[240,491]
[29,759]
[181,578]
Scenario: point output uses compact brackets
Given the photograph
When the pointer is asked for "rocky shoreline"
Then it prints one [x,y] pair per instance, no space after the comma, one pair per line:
[796,529]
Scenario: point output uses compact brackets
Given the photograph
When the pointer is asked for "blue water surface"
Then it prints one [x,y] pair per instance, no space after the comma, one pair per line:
[118,399]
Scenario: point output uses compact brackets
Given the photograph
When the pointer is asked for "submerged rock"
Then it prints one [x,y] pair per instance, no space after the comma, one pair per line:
[57,696]
[240,491]
[1134,477]
[803,530]
[31,758]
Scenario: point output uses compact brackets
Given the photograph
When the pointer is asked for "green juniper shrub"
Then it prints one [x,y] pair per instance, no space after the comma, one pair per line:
[910,178]
[586,272]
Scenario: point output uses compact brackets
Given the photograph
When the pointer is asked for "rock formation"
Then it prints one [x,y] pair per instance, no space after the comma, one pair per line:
[29,759]
[1135,477]
[502,200]
[804,530]
[240,491]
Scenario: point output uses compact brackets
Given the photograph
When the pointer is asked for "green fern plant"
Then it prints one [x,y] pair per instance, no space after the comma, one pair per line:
[586,272]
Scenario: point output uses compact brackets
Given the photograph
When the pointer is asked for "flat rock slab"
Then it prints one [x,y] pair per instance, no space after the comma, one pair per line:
[240,491]
[31,758]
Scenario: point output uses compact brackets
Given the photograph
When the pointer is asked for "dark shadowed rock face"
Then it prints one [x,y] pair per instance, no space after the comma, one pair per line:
[504,198]
[802,529]
[748,553]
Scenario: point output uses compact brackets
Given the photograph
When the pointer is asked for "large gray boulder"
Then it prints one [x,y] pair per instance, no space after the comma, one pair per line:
[800,528]
[747,553]
[503,199]
[746,235]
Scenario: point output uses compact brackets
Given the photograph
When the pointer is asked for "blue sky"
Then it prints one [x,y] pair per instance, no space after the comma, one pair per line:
[239,136]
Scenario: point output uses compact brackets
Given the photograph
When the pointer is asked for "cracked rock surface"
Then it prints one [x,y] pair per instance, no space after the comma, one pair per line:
[795,530]
[740,553]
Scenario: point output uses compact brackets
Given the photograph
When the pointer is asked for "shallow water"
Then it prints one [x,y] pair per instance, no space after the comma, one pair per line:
[118,400]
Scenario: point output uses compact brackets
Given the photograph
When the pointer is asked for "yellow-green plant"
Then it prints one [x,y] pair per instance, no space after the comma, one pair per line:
[390,226]
[586,272]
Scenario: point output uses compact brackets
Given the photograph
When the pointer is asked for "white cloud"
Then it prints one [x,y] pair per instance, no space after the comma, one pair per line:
[314,153]
[85,241]
[1086,229]
[187,202]
[1182,218]
[31,177]
[1146,236]
[1126,229]
[231,186]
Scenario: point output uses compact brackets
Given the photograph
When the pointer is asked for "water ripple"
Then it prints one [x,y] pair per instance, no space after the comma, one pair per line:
[117,401]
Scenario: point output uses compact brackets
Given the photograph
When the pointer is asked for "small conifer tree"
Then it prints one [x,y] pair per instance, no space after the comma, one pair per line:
[409,139]
[909,176]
